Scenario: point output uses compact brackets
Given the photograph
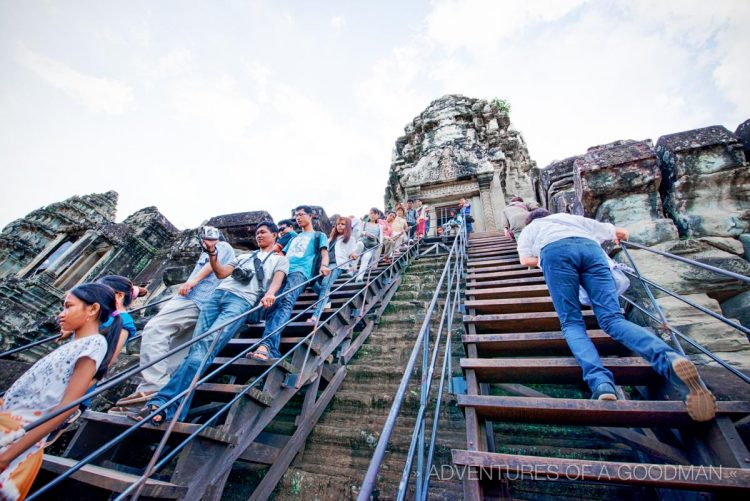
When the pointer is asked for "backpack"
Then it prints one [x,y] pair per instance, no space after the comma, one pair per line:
[318,259]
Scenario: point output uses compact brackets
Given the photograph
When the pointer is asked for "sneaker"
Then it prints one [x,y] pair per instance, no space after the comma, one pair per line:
[700,402]
[605,391]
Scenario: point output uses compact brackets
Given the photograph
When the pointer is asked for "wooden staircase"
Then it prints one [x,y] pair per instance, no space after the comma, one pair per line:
[514,340]
[295,391]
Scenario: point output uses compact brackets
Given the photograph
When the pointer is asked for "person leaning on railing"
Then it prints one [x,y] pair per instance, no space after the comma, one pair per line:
[249,279]
[174,324]
[567,249]
[57,379]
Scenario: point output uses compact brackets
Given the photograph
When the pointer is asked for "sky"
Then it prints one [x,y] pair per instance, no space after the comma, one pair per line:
[203,108]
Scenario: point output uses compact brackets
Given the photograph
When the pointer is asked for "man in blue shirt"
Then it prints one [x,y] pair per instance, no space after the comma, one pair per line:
[175,322]
[301,252]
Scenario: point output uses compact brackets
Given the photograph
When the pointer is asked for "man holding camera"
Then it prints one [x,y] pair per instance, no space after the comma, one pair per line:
[250,279]
[175,322]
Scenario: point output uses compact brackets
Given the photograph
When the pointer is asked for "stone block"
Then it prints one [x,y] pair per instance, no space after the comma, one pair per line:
[725,243]
[619,183]
[743,134]
[738,307]
[706,330]
[745,239]
[552,181]
[705,182]
[684,278]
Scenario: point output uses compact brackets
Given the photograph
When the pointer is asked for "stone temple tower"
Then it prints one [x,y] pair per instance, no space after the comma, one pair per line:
[460,147]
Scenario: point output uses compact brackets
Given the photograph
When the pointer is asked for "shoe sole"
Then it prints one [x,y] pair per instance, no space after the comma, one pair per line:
[130,402]
[700,402]
[610,397]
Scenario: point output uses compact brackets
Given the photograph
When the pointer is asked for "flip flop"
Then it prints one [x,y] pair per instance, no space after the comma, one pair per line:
[146,410]
[138,397]
[262,356]
[57,433]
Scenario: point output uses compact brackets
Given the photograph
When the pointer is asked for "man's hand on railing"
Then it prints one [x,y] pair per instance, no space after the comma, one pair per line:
[621,234]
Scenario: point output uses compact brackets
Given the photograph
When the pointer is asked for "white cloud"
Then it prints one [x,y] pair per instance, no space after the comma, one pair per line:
[98,94]
[338,23]
[217,107]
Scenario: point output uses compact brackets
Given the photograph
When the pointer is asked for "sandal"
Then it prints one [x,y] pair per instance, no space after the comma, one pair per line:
[145,411]
[261,353]
[57,433]
[138,397]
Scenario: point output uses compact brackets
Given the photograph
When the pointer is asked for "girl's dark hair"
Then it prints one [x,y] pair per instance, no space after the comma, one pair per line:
[536,214]
[347,230]
[119,284]
[104,296]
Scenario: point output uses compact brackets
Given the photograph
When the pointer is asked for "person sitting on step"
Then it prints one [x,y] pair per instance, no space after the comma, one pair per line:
[54,381]
[567,249]
[249,279]
[346,249]
[302,252]
[175,322]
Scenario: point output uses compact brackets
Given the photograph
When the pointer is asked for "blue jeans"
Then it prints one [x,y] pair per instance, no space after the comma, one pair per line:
[220,307]
[280,312]
[325,286]
[573,261]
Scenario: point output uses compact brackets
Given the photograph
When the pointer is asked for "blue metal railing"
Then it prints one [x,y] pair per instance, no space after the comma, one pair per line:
[451,275]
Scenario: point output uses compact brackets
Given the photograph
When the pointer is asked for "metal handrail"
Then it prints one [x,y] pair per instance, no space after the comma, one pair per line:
[675,334]
[93,455]
[455,260]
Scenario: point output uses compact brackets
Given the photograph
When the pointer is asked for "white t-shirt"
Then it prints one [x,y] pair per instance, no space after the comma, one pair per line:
[342,251]
[250,291]
[545,230]
[42,387]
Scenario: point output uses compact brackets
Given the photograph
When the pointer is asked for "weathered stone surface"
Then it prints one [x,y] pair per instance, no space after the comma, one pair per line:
[743,134]
[619,183]
[239,228]
[554,188]
[460,147]
[725,243]
[685,278]
[706,330]
[738,307]
[706,182]
[745,240]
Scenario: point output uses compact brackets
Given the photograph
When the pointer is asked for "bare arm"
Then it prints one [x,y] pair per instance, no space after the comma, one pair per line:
[221,271]
[188,286]
[529,261]
[270,296]
[79,383]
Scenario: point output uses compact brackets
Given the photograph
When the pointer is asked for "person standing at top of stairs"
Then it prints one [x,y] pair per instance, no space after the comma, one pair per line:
[567,249]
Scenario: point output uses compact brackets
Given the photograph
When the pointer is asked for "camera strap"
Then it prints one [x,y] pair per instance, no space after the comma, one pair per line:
[260,275]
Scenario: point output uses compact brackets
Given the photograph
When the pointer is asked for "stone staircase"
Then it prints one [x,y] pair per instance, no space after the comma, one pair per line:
[339,450]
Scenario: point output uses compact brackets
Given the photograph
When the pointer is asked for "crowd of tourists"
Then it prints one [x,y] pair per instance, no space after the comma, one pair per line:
[226,290]
[223,292]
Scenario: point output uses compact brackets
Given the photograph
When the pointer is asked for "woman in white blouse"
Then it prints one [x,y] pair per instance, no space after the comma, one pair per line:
[54,381]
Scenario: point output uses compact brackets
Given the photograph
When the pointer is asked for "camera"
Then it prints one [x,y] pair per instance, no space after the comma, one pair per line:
[243,276]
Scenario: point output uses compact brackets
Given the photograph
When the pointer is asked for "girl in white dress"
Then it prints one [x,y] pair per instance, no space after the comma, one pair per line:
[54,381]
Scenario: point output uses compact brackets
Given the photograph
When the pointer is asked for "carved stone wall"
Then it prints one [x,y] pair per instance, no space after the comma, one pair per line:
[451,145]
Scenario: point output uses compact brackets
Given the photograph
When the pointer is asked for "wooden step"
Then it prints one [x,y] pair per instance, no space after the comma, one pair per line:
[247,367]
[537,343]
[518,291]
[573,411]
[507,282]
[238,344]
[225,392]
[657,475]
[516,305]
[291,328]
[522,322]
[499,267]
[478,265]
[562,370]
[494,275]
[180,428]
[112,480]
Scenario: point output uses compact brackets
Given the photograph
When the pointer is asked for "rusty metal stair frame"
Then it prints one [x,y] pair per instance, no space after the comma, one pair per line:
[201,478]
[508,334]
[452,276]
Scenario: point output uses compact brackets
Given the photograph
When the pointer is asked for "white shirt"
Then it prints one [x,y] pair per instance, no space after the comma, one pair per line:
[543,231]
[250,291]
[342,251]
[42,387]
